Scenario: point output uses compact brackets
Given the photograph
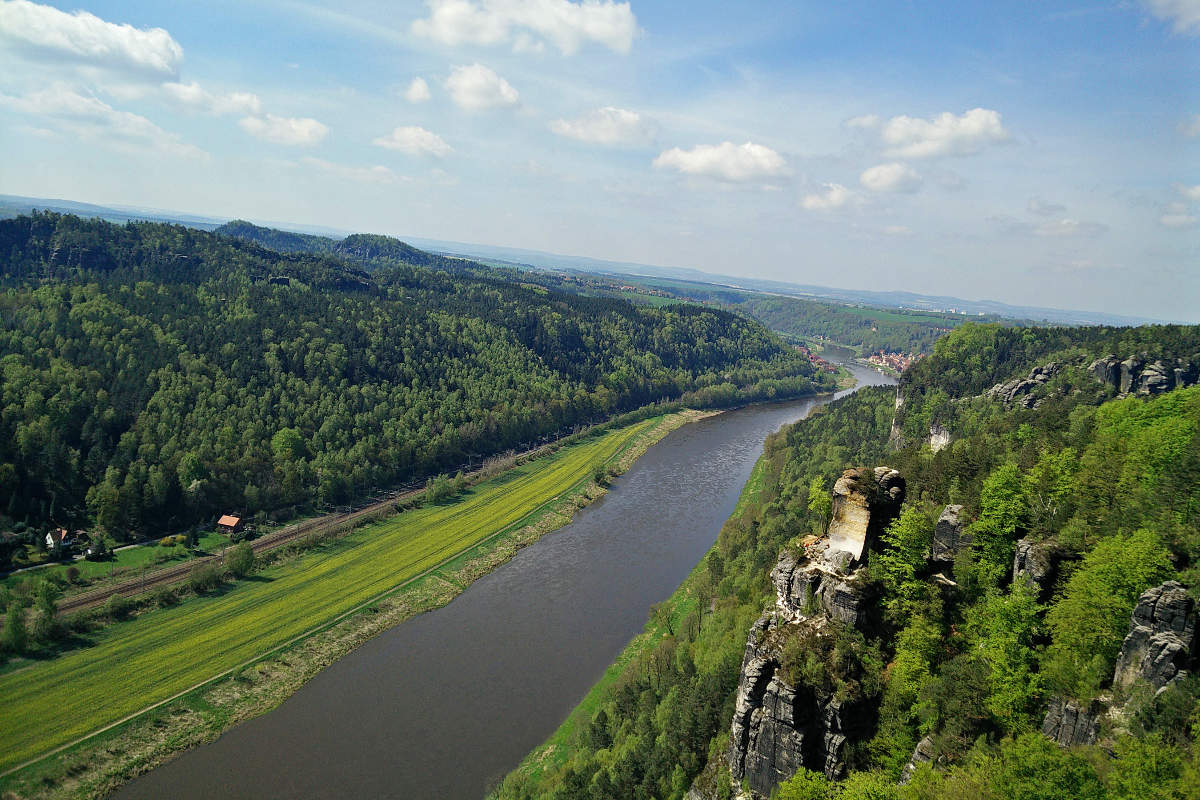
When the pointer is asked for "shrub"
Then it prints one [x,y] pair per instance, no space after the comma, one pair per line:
[240,560]
[116,607]
[72,574]
[204,577]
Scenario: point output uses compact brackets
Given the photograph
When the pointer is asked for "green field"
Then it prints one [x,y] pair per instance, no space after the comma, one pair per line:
[160,654]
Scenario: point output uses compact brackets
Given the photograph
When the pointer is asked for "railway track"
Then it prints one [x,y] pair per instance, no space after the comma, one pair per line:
[177,573]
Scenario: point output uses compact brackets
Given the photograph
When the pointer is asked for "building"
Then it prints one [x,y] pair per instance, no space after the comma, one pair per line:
[229,524]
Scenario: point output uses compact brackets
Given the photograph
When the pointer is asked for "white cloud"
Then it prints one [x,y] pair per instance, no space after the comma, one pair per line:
[417,91]
[1190,192]
[567,25]
[944,135]
[834,195]
[84,37]
[1190,126]
[414,141]
[891,178]
[608,125]
[1185,14]
[375,174]
[1041,208]
[864,122]
[898,230]
[285,130]
[476,88]
[196,96]
[1069,227]
[726,161]
[92,118]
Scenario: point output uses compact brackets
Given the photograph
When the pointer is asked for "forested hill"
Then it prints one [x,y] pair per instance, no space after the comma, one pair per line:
[372,250]
[1013,634]
[153,375]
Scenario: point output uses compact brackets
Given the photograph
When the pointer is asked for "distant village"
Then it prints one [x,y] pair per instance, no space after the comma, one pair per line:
[897,362]
[815,359]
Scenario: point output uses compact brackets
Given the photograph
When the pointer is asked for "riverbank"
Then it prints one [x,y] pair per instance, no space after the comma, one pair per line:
[199,713]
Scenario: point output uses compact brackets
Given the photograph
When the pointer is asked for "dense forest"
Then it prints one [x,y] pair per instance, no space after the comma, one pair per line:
[154,375]
[1108,486]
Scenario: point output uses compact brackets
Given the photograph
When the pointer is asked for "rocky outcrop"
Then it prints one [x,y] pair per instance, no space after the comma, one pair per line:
[1161,641]
[781,724]
[864,502]
[1020,391]
[1139,375]
[922,754]
[1035,564]
[895,437]
[939,438]
[949,535]
[1069,723]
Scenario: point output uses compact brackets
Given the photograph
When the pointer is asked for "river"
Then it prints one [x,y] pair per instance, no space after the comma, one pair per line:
[445,704]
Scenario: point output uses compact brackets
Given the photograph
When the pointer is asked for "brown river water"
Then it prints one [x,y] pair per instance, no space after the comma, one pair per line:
[445,704]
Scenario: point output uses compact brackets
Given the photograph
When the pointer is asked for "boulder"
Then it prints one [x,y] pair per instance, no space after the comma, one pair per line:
[1020,391]
[1070,724]
[939,437]
[1107,370]
[949,535]
[1035,564]
[1161,640]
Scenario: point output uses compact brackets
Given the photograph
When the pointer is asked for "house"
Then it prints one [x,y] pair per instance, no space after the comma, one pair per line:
[229,524]
[59,537]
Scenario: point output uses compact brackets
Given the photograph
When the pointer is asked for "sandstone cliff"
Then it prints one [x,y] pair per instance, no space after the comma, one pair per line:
[787,716]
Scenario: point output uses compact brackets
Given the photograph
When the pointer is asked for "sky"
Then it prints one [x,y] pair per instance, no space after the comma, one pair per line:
[1034,153]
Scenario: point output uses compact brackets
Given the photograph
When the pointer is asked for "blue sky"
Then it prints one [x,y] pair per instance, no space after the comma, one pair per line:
[1042,153]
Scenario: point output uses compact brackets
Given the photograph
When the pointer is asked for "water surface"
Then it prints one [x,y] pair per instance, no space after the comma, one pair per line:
[445,704]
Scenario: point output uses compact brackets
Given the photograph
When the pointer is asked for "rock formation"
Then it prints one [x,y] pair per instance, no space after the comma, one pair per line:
[779,723]
[1139,375]
[1035,564]
[922,754]
[1019,391]
[1070,724]
[939,437]
[949,535]
[1161,640]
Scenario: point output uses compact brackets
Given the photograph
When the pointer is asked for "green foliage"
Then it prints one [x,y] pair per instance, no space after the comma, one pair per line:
[820,503]
[1031,767]
[14,637]
[805,785]
[1001,630]
[204,577]
[1002,507]
[1090,621]
[153,375]
[240,560]
[906,547]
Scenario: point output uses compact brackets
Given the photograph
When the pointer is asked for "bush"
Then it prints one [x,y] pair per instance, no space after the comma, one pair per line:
[116,607]
[72,574]
[14,637]
[166,597]
[240,560]
[204,578]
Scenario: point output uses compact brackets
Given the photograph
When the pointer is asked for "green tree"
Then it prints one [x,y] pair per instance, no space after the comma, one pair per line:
[14,637]
[906,545]
[805,785]
[240,560]
[1001,630]
[820,504]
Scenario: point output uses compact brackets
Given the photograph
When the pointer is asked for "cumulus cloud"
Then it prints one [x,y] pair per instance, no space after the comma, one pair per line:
[375,174]
[91,117]
[832,195]
[944,135]
[1183,14]
[300,131]
[1178,216]
[864,122]
[476,88]
[726,162]
[196,96]
[84,37]
[417,91]
[414,141]
[525,23]
[1041,208]
[608,126]
[893,177]
[1190,192]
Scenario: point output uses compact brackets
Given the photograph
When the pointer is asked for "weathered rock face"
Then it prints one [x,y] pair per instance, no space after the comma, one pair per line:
[922,754]
[939,438]
[1035,564]
[1161,641]
[779,727]
[1070,724]
[1138,375]
[1018,390]
[949,535]
[864,503]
